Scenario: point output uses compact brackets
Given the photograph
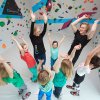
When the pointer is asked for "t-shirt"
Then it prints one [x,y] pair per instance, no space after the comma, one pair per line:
[37,41]
[59,79]
[83,39]
[54,53]
[17,80]
[47,87]
[82,70]
[30,61]
[79,39]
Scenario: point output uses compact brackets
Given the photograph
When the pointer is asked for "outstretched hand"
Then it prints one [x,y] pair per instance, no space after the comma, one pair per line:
[41,61]
[32,15]
[96,21]
[86,16]
[45,17]
[77,47]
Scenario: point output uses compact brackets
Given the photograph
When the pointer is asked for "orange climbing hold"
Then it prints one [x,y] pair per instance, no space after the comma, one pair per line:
[4,46]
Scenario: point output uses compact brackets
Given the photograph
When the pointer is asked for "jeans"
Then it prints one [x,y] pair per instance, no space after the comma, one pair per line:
[52,62]
[41,94]
[57,91]
[40,57]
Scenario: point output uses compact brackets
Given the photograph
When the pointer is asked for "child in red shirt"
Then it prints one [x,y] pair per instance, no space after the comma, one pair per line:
[27,57]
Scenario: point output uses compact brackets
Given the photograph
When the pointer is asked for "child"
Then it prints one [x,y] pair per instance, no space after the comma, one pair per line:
[37,39]
[63,69]
[92,61]
[10,75]
[45,82]
[82,35]
[27,57]
[54,48]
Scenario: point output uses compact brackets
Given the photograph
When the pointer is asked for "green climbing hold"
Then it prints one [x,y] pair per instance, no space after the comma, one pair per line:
[54,0]
[15,33]
[56,10]
[80,6]
[2,24]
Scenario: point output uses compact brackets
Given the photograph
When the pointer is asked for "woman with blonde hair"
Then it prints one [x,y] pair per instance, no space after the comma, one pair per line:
[36,37]
[83,35]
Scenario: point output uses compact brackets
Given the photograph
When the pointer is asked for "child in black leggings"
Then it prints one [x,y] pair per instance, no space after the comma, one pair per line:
[92,61]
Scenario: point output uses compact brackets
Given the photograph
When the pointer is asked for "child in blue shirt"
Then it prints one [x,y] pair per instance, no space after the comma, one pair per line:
[54,49]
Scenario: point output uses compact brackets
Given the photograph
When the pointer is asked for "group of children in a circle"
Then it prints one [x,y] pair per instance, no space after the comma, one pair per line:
[62,64]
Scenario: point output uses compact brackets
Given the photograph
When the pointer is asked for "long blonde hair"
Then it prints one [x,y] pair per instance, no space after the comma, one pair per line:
[67,67]
[3,74]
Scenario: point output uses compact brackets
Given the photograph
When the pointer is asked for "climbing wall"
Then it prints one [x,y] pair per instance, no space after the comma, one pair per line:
[62,12]
[14,20]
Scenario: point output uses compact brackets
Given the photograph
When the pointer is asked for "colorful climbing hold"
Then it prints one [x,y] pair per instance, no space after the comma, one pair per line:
[15,33]
[2,24]
[4,46]
[56,10]
[95,8]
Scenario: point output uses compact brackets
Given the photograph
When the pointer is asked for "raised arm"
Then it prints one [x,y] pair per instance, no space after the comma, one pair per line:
[24,42]
[49,71]
[19,46]
[77,47]
[57,64]
[93,29]
[91,54]
[33,17]
[61,41]
[50,40]
[45,24]
[73,24]
[7,67]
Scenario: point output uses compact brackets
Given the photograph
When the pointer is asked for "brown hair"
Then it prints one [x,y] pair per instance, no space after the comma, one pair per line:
[95,61]
[55,42]
[43,77]
[3,72]
[88,26]
[67,67]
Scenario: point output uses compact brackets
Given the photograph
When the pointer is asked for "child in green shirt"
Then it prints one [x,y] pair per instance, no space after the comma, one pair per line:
[9,75]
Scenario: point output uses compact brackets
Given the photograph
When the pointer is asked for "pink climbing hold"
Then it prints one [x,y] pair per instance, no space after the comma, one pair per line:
[86,13]
[66,24]
[48,5]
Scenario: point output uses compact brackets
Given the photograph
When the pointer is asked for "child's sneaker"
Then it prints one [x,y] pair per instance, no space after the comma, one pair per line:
[20,92]
[26,95]
[60,97]
[70,87]
[74,93]
[55,95]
